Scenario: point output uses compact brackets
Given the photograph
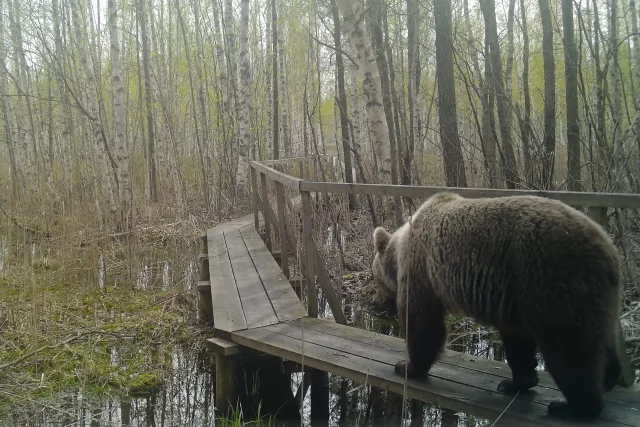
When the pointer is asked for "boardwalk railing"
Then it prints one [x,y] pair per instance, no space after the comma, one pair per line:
[294,192]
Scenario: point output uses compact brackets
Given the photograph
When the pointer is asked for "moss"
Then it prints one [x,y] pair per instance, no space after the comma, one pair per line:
[145,384]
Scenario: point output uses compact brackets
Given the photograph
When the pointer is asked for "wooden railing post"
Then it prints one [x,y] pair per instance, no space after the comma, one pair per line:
[284,247]
[265,206]
[305,197]
[599,215]
[254,187]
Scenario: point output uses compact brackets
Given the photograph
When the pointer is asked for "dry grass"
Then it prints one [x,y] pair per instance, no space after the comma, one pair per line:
[89,308]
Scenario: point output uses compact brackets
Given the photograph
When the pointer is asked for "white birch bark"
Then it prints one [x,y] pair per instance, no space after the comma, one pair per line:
[371,84]
[93,105]
[246,140]
[122,156]
[284,104]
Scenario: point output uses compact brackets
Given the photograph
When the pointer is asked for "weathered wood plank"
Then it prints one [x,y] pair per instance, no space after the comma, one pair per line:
[283,298]
[453,358]
[227,309]
[613,200]
[618,412]
[253,297]
[285,179]
[438,391]
[222,347]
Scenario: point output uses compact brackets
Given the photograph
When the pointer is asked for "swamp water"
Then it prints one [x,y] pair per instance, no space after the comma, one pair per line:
[180,388]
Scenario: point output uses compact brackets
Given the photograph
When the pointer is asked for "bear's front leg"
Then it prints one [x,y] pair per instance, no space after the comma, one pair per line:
[425,335]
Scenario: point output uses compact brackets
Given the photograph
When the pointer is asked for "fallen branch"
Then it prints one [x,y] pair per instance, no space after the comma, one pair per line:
[51,347]
[632,340]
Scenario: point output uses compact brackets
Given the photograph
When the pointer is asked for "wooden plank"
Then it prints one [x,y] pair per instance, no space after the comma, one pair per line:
[253,297]
[290,160]
[613,200]
[327,287]
[283,298]
[453,358]
[227,309]
[222,347]
[438,391]
[625,414]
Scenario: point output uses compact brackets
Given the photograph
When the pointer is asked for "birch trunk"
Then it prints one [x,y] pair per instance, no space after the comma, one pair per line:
[526,120]
[284,104]
[636,59]
[122,156]
[379,130]
[230,37]
[246,140]
[93,111]
[415,146]
[151,139]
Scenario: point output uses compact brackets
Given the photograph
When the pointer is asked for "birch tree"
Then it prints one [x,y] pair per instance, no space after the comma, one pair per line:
[244,107]
[379,130]
[122,155]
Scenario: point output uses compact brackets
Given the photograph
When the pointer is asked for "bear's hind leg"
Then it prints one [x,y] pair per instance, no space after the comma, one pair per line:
[425,336]
[578,371]
[612,370]
[521,357]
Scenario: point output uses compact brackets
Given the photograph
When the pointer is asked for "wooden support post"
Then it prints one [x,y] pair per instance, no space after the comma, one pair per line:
[449,418]
[309,254]
[284,247]
[265,206]
[205,303]
[226,388]
[599,215]
[319,398]
[254,187]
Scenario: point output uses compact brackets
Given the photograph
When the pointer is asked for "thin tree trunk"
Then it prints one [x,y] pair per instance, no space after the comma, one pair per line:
[549,143]
[504,110]
[636,58]
[526,120]
[275,106]
[616,99]
[451,148]
[342,102]
[7,114]
[151,140]
[205,183]
[414,147]
[571,93]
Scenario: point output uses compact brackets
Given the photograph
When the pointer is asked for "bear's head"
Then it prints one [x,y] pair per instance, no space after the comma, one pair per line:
[384,270]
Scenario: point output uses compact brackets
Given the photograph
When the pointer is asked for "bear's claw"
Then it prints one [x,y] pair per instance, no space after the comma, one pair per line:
[403,366]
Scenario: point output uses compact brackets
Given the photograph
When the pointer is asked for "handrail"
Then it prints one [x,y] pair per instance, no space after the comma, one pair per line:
[283,178]
[573,198]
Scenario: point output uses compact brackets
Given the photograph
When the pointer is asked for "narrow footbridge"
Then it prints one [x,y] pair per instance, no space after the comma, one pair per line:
[255,300]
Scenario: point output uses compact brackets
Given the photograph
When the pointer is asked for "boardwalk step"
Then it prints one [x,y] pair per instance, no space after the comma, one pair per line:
[204,286]
[222,347]
[297,281]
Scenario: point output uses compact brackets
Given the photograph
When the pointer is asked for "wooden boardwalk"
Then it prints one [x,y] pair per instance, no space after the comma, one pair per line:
[254,306]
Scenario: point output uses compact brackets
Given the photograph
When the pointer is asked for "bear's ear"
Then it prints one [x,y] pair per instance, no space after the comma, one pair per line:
[381,239]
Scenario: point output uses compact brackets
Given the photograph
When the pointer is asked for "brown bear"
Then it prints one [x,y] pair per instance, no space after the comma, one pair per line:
[544,275]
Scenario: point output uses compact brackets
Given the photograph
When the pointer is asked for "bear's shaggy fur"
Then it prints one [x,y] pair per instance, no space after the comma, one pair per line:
[543,274]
